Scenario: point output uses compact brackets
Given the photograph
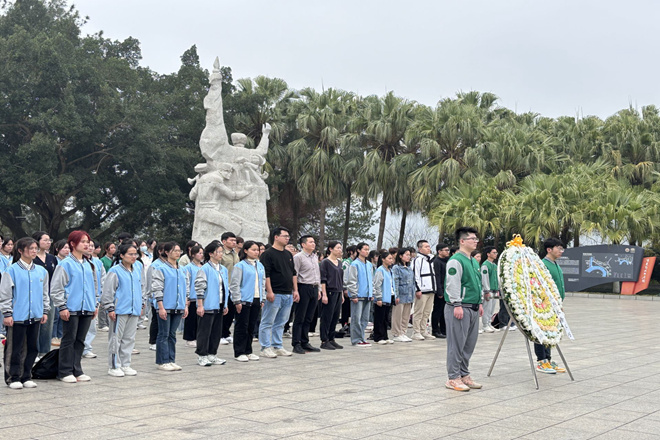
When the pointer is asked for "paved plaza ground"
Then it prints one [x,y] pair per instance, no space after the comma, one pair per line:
[383,392]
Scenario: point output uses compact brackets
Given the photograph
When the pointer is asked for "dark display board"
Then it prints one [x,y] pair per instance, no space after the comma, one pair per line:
[590,266]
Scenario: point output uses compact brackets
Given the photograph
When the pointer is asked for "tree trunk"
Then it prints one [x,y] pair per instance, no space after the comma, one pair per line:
[321,244]
[347,218]
[402,229]
[381,228]
[576,237]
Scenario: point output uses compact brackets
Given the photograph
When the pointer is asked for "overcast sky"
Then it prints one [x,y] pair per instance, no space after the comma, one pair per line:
[552,57]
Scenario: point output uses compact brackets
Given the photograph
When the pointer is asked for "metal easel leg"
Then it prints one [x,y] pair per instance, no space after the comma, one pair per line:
[531,363]
[563,359]
[497,353]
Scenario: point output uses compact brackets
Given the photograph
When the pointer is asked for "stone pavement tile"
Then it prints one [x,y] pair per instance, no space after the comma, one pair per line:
[621,434]
[10,419]
[223,423]
[528,423]
[141,412]
[29,431]
[566,411]
[138,400]
[280,413]
[643,425]
[259,404]
[354,430]
[334,417]
[402,418]
[638,404]
[617,415]
[464,421]
[497,408]
[374,407]
[287,427]
[422,431]
[412,399]
[82,420]
[150,424]
[561,433]
[489,432]
[319,405]
[314,435]
[101,432]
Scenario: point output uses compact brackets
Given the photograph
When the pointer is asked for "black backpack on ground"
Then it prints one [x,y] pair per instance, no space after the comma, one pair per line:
[47,366]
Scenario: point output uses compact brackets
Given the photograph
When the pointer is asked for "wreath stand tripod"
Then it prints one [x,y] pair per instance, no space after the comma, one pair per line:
[529,351]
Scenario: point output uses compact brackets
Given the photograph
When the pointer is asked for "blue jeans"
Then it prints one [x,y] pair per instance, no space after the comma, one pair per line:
[58,331]
[91,334]
[359,319]
[166,340]
[273,317]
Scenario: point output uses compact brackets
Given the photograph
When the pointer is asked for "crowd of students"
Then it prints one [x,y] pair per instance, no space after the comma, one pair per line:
[257,288]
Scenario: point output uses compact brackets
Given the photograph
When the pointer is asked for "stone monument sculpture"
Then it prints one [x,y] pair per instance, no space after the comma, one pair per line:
[229,190]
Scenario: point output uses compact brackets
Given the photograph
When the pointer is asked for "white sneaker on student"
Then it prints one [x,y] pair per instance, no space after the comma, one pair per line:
[16,386]
[481,331]
[428,336]
[192,344]
[268,353]
[230,339]
[407,338]
[282,352]
[89,355]
[287,334]
[83,378]
[390,341]
[400,339]
[104,329]
[216,360]
[382,342]
[489,329]
[253,357]
[175,366]
[418,337]
[242,358]
[135,351]
[128,371]
[116,372]
[152,347]
[224,341]
[69,379]
[203,361]
[166,367]
[142,326]
[29,384]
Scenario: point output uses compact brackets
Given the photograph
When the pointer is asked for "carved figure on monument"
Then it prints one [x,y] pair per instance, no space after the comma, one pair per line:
[229,190]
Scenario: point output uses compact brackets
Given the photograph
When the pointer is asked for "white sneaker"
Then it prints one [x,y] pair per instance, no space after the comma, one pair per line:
[16,386]
[83,378]
[175,366]
[481,331]
[282,352]
[89,355]
[152,347]
[428,336]
[493,328]
[135,351]
[287,334]
[142,326]
[216,360]
[192,344]
[400,339]
[204,361]
[311,334]
[29,384]
[166,367]
[242,358]
[230,339]
[104,329]
[253,357]
[224,341]
[116,372]
[268,353]
[370,326]
[418,337]
[513,328]
[390,341]
[489,329]
[382,342]
[128,371]
[69,379]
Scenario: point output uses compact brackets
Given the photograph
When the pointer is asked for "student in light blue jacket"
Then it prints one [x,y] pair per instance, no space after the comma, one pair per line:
[385,296]
[361,291]
[24,302]
[248,285]
[190,324]
[212,290]
[122,299]
[73,290]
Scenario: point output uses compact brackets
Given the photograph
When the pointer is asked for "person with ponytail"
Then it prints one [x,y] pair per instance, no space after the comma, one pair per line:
[48,262]
[24,303]
[332,297]
[212,291]
[190,325]
[73,291]
[170,289]
[384,296]
[148,296]
[122,299]
[61,251]
[248,284]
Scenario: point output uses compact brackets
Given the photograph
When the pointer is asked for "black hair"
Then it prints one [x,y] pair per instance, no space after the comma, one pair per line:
[360,245]
[37,235]
[276,232]
[441,246]
[226,235]
[474,253]
[122,250]
[420,243]
[381,257]
[97,244]
[190,244]
[150,241]
[167,248]
[194,250]
[159,250]
[59,245]
[462,232]
[22,244]
[107,246]
[393,250]
[240,240]
[350,250]
[7,240]
[247,245]
[137,248]
[485,251]
[400,254]
[331,245]
[373,254]
[304,239]
[124,236]
[550,243]
[210,248]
